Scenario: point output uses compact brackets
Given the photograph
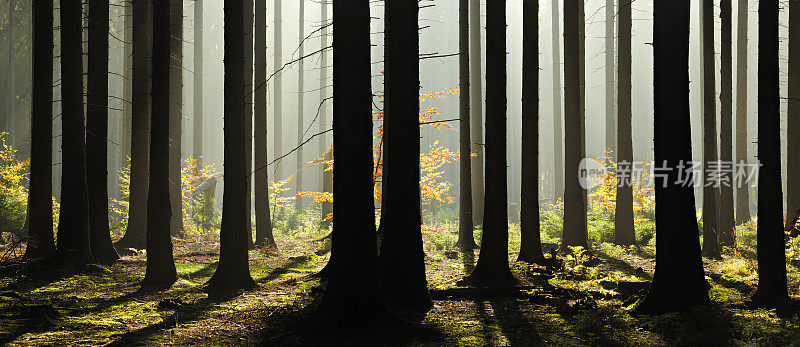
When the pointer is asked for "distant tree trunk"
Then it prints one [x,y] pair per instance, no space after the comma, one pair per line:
[710,191]
[726,216]
[248,115]
[476,110]
[531,243]
[97,133]
[40,208]
[135,235]
[492,268]
[353,275]
[402,260]
[466,240]
[678,282]
[176,116]
[327,176]
[263,222]
[73,225]
[160,270]
[558,142]
[742,190]
[11,101]
[197,137]
[770,236]
[298,202]
[575,233]
[233,271]
[624,231]
[793,114]
[278,91]
[611,107]
[125,132]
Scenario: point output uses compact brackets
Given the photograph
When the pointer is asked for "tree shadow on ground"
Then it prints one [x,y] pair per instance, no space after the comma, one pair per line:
[514,324]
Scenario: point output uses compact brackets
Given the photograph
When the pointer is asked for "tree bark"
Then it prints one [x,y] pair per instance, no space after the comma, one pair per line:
[742,190]
[278,91]
[531,243]
[710,191]
[558,141]
[726,215]
[127,94]
[770,236]
[73,224]
[176,116]
[476,111]
[611,107]
[466,240]
[793,114]
[97,133]
[197,137]
[248,115]
[233,271]
[12,95]
[40,208]
[327,175]
[678,282]
[298,202]
[624,231]
[264,236]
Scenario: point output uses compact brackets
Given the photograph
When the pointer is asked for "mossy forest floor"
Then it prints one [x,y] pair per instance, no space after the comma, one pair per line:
[583,301]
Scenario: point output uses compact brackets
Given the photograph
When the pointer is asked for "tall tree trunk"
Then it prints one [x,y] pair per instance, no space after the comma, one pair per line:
[12,97]
[298,202]
[278,91]
[233,271]
[476,110]
[127,94]
[531,243]
[793,114]
[726,216]
[176,116]
[558,141]
[327,175]
[248,115]
[135,235]
[160,271]
[575,233]
[97,133]
[264,236]
[73,225]
[624,231]
[742,190]
[710,189]
[353,274]
[678,282]
[197,137]
[402,260]
[611,107]
[770,235]
[466,240]
[40,208]
[492,268]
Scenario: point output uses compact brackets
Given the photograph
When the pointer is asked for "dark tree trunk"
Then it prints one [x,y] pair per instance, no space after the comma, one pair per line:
[264,236]
[248,115]
[353,274]
[125,132]
[611,107]
[742,190]
[97,133]
[531,243]
[624,231]
[558,141]
[466,240]
[575,233]
[40,208]
[327,176]
[770,235]
[492,268]
[678,282]
[160,270]
[402,260]
[73,225]
[710,190]
[277,103]
[726,217]
[793,115]
[176,116]
[233,271]
[298,202]
[135,235]
[476,110]
[197,137]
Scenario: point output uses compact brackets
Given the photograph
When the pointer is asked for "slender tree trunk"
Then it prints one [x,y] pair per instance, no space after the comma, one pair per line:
[97,133]
[278,91]
[611,107]
[12,95]
[197,137]
[575,233]
[492,268]
[726,216]
[476,110]
[793,114]
[770,236]
[233,271]
[624,231]
[73,225]
[176,116]
[127,94]
[135,235]
[353,274]
[710,189]
[248,115]
[742,190]
[263,222]
[327,175]
[40,208]
[678,282]
[531,243]
[298,202]
[558,141]
[466,241]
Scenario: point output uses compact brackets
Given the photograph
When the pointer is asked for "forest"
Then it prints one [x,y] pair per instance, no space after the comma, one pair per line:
[240,172]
